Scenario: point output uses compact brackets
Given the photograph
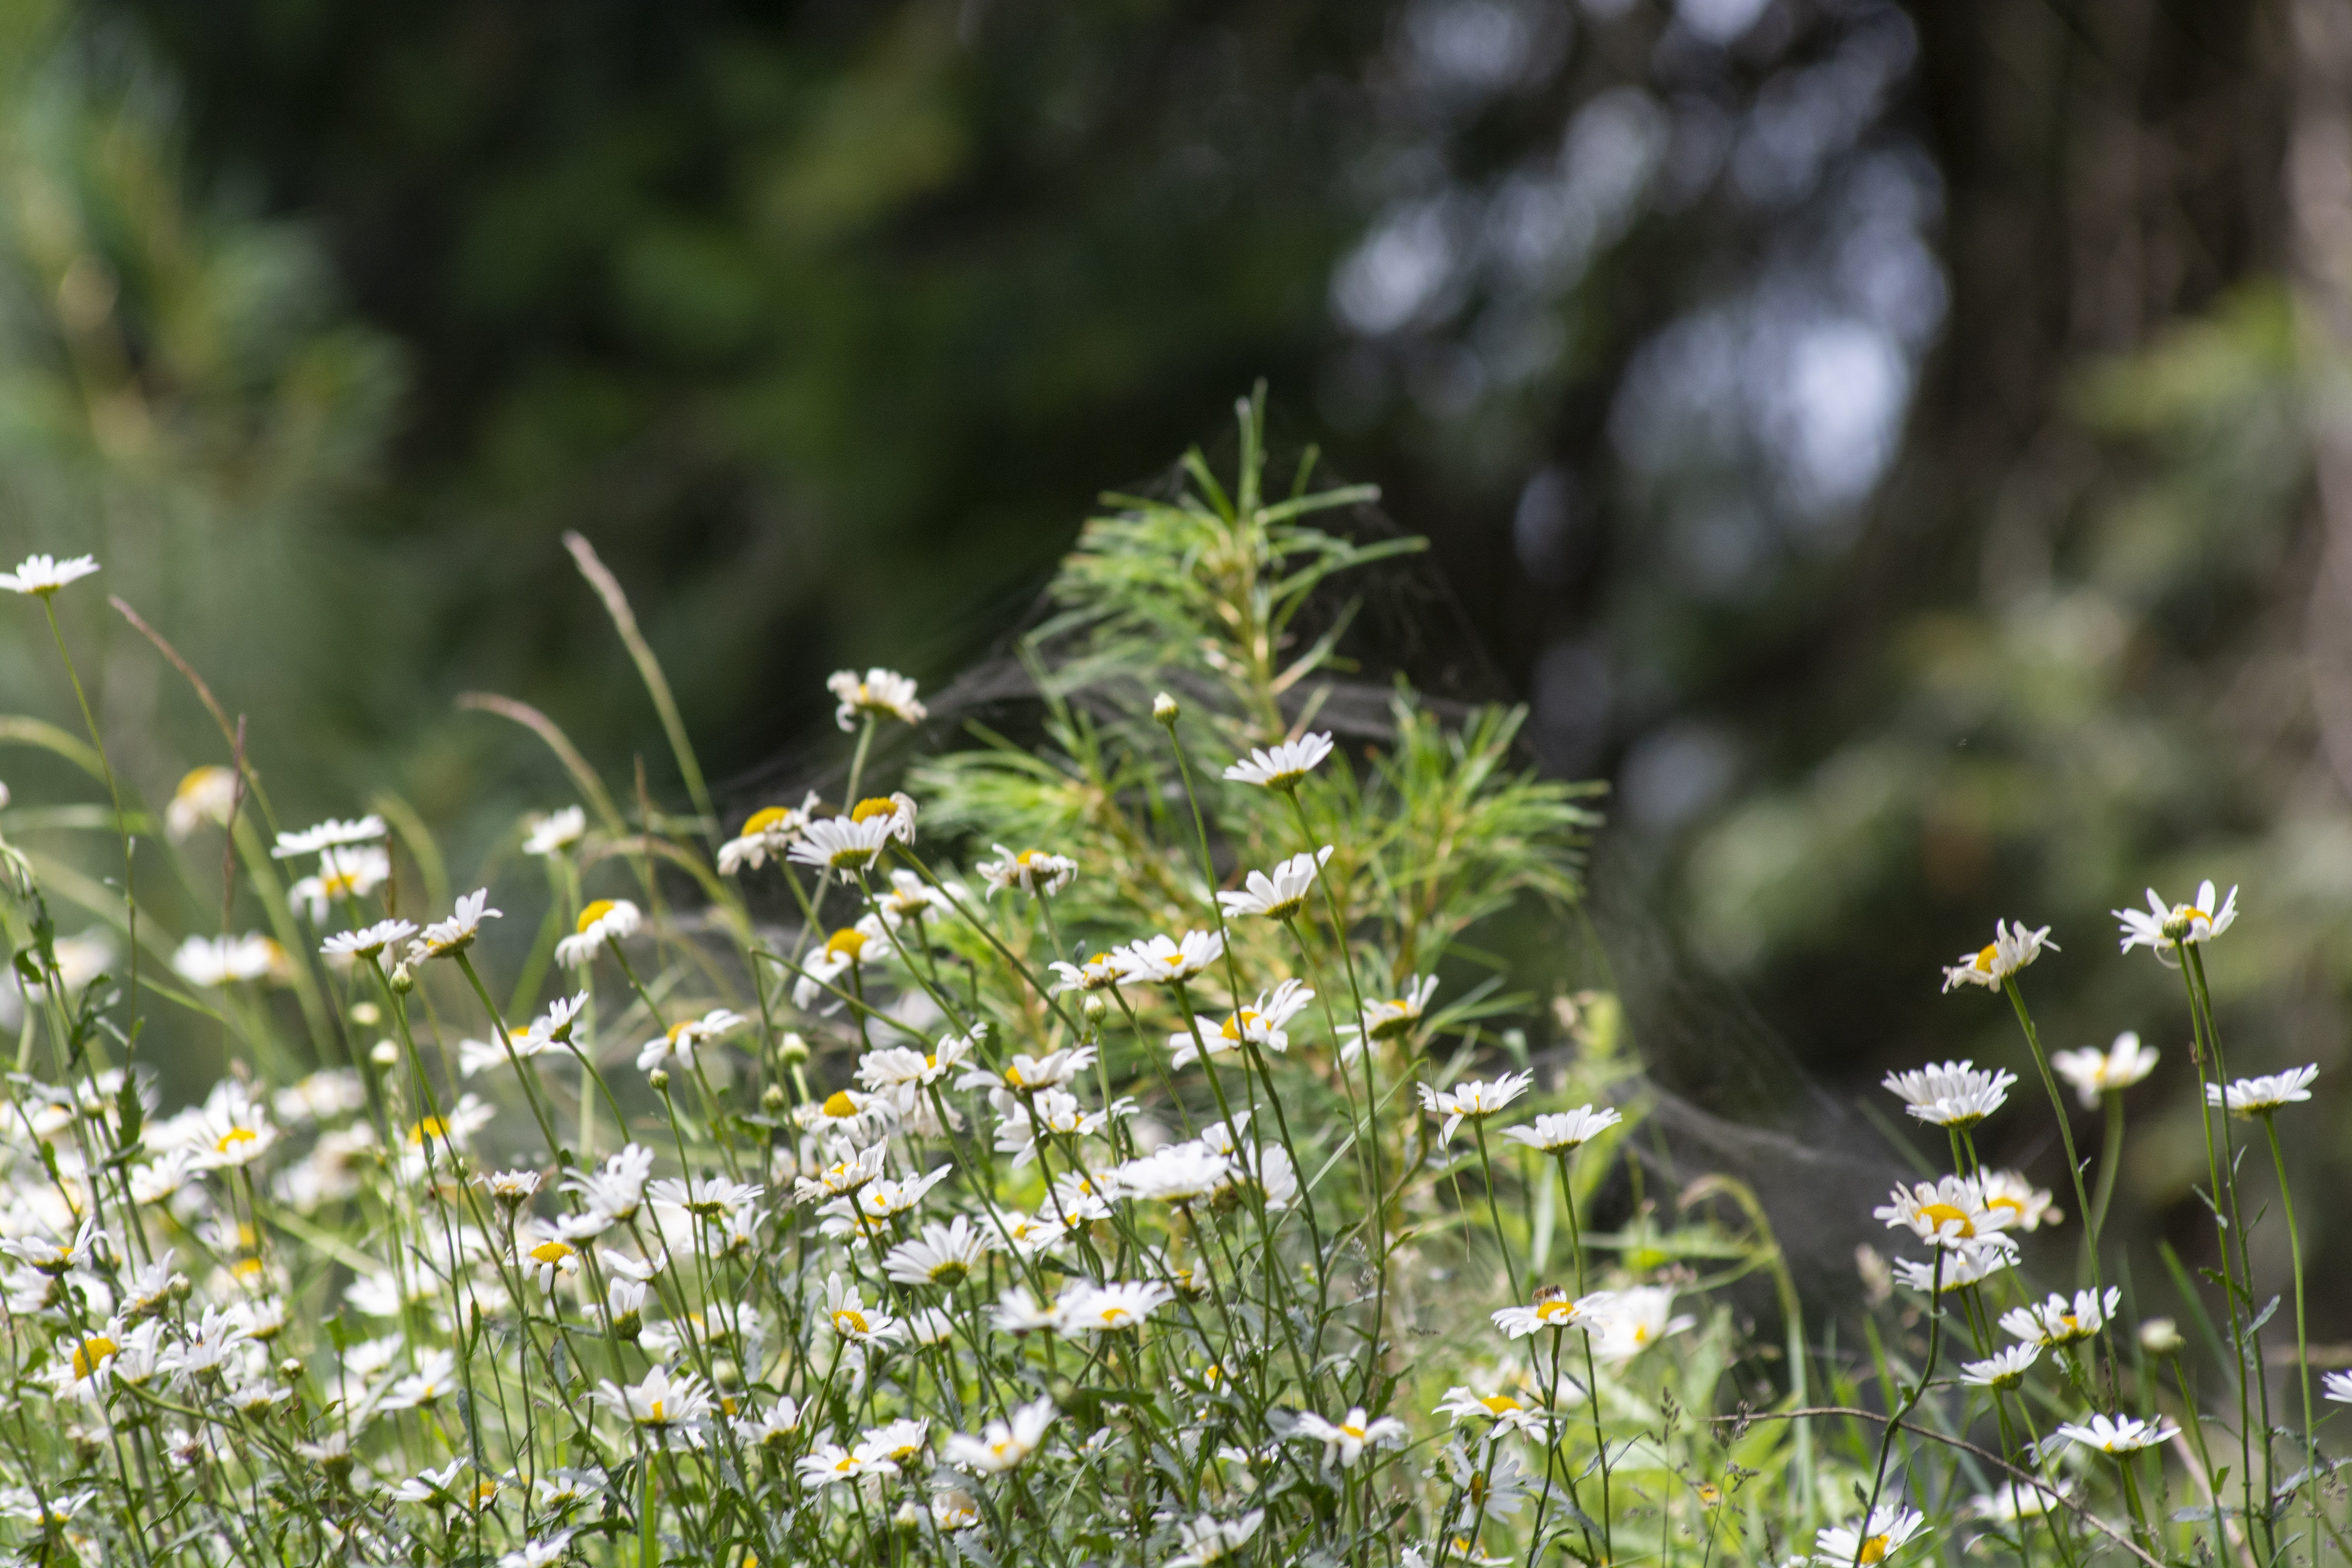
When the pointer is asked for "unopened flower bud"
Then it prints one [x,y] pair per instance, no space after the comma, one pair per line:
[793,1050]
[1166,709]
[290,1368]
[366,1014]
[725,1374]
[403,979]
[1093,1006]
[385,1054]
[772,1100]
[2161,1336]
[909,1519]
[659,1081]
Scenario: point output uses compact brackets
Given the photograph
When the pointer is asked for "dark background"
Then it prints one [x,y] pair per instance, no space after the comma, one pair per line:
[1892,443]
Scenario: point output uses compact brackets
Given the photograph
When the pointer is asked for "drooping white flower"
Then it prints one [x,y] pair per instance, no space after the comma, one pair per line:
[1282,895]
[2095,1072]
[770,830]
[2162,927]
[555,832]
[604,921]
[1951,1094]
[45,575]
[1471,1100]
[1001,1446]
[2251,1097]
[328,835]
[1389,1019]
[2010,950]
[1282,767]
[1558,1132]
[1970,1262]
[1100,972]
[1345,1440]
[1883,1532]
[882,694]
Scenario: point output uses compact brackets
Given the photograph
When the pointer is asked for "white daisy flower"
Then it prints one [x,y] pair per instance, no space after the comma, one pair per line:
[1207,1539]
[1955,1267]
[1033,871]
[206,794]
[1001,1446]
[554,832]
[2012,1501]
[1635,1319]
[1951,1094]
[1018,1313]
[679,1043]
[852,1318]
[447,939]
[1279,897]
[770,830]
[882,694]
[1282,766]
[211,960]
[2120,1434]
[1174,1173]
[1160,959]
[661,1406]
[1887,1530]
[1345,1440]
[2059,1322]
[2095,1072]
[1108,1308]
[1471,1100]
[605,920]
[1555,1308]
[1389,1019]
[328,835]
[543,1553]
[2010,950]
[864,943]
[1503,1409]
[1558,1132]
[352,871]
[1100,972]
[828,1464]
[546,1257]
[1947,1213]
[2251,1097]
[2029,1206]
[2160,927]
[2005,1368]
[841,844]
[45,575]
[1025,1074]
[1264,1022]
[368,941]
[2338,1386]
[943,1255]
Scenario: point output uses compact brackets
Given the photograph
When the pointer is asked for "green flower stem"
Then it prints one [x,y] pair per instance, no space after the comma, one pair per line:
[1494,1213]
[114,792]
[2302,1341]
[1911,1401]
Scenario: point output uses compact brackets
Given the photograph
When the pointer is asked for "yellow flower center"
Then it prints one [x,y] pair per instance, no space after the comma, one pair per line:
[550,1252]
[763,820]
[1942,1214]
[1873,1549]
[1555,1311]
[90,1352]
[657,1414]
[233,1139]
[431,1127]
[847,1321]
[1026,856]
[1240,1023]
[246,1268]
[868,810]
[592,913]
[1355,1432]
[2012,1205]
[1113,1316]
[1014,1079]
[839,1104]
[1983,967]
[1500,1403]
[847,943]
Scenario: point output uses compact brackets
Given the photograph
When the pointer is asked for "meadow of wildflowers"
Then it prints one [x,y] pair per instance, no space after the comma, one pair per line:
[1171,1182]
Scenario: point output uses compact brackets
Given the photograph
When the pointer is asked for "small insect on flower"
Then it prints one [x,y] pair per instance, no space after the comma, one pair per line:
[1560,1133]
[2163,929]
[1950,1094]
[1001,1446]
[1345,1440]
[1390,1019]
[2005,1368]
[1472,1100]
[1033,871]
[1279,896]
[1887,1531]
[1282,766]
[1554,1308]
[2120,1435]
[45,575]
[2095,1072]
[882,694]
[2059,1322]
[2010,950]
[2252,1096]
[606,919]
